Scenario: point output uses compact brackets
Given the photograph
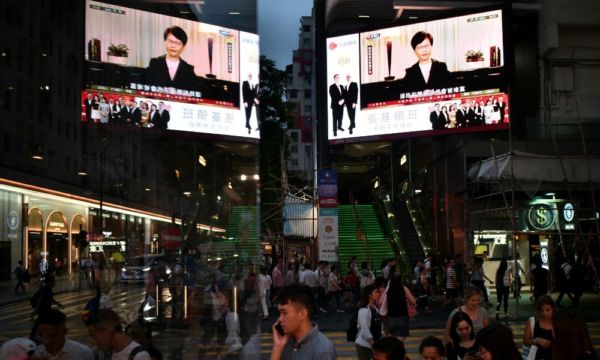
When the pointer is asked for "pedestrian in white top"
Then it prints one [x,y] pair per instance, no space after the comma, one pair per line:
[368,322]
[55,346]
[107,331]
[264,284]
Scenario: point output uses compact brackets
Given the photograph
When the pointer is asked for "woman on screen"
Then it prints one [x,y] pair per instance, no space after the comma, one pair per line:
[478,110]
[145,119]
[452,116]
[488,111]
[104,109]
[427,73]
[95,114]
[170,70]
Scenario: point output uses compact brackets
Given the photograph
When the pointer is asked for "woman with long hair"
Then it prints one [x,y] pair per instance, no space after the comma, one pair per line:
[471,307]
[398,298]
[369,323]
[496,343]
[540,331]
[571,336]
[463,339]
[503,282]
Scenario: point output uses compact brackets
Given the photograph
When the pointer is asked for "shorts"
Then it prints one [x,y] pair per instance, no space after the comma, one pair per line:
[398,326]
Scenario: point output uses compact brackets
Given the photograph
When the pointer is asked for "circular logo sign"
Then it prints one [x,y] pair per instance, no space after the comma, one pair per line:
[544,255]
[568,212]
[12,220]
[540,216]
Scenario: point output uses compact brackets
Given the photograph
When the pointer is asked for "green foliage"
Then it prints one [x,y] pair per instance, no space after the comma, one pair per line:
[276,115]
[120,50]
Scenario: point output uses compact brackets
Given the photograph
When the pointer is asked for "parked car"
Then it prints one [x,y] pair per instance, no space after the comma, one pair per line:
[137,268]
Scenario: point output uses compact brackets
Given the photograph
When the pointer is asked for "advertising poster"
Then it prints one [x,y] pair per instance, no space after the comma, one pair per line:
[328,215]
[437,77]
[151,70]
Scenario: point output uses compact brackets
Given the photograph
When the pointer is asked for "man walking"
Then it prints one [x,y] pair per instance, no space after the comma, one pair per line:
[55,345]
[294,335]
[19,271]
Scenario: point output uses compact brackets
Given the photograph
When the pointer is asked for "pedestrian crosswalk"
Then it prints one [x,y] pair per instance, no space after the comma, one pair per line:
[192,342]
[16,321]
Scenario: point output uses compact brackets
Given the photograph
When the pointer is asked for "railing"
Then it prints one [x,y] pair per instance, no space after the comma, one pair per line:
[361,234]
[390,227]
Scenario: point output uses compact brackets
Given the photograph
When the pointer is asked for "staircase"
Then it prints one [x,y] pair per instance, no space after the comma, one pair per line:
[377,247]
[241,233]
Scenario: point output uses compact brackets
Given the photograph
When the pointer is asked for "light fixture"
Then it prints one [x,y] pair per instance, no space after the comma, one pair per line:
[44,54]
[202,160]
[413,17]
[229,185]
[234,13]
[187,193]
[37,153]
[147,189]
[256,177]
[403,159]
[376,185]
[82,173]
[364,16]
[550,194]
[417,191]
[243,177]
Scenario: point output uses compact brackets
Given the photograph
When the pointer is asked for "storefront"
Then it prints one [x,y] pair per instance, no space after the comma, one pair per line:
[544,226]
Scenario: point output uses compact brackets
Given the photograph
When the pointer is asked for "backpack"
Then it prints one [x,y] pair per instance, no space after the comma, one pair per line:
[352,330]
[136,350]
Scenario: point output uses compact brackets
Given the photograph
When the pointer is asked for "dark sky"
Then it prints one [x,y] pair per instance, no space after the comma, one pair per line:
[278,27]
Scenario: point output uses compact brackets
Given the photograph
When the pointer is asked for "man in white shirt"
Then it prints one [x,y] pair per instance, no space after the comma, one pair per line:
[55,346]
[107,332]
[309,277]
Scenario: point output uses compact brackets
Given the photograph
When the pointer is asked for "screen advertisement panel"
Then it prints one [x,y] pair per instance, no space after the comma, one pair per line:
[151,70]
[437,77]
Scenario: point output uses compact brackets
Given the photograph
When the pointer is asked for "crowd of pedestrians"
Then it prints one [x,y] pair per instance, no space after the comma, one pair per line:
[379,304]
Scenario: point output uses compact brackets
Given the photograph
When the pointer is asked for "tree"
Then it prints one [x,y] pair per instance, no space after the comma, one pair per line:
[276,115]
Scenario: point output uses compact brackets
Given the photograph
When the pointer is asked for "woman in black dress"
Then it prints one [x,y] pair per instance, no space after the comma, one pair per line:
[542,335]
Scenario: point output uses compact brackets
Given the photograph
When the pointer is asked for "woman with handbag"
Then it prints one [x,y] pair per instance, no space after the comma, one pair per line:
[539,333]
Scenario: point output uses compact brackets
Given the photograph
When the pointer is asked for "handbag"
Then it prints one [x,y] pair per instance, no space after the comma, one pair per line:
[383,309]
[529,352]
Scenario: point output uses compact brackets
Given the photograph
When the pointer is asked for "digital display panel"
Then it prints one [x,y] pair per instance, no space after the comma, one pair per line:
[430,78]
[162,73]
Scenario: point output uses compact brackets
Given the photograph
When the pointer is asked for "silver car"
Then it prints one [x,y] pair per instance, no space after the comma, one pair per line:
[137,268]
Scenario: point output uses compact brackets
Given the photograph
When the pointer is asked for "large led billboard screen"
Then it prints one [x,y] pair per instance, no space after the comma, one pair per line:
[429,78]
[160,72]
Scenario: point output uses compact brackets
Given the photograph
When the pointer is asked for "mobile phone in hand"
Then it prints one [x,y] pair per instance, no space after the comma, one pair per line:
[279,329]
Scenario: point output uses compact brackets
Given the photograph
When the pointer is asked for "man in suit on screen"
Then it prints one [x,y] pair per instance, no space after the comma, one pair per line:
[350,100]
[336,92]
[250,99]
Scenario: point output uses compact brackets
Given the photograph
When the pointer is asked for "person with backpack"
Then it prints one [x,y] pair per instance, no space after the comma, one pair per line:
[368,323]
[19,271]
[107,331]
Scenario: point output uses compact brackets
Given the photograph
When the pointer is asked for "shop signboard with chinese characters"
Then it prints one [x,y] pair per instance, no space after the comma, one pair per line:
[328,215]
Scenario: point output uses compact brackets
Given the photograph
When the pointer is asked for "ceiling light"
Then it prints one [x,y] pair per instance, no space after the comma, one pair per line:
[256,177]
[187,193]
[202,160]
[234,13]
[82,173]
[37,157]
[364,16]
[147,189]
[243,177]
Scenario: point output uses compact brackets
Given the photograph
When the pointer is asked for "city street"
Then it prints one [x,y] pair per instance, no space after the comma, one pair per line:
[186,343]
